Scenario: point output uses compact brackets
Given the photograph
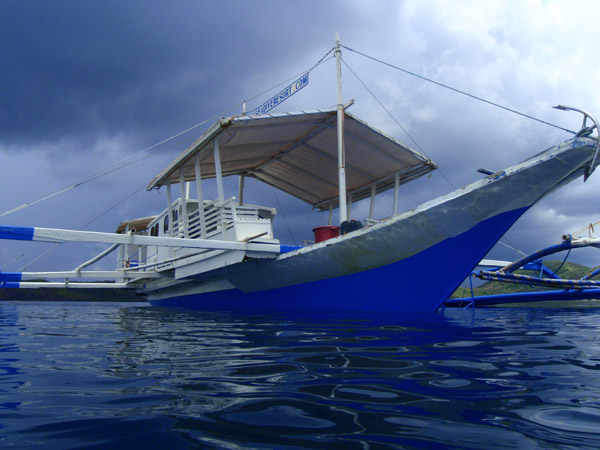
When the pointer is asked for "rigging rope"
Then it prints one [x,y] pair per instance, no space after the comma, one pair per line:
[459,91]
[397,123]
[283,215]
[385,109]
[511,246]
[589,228]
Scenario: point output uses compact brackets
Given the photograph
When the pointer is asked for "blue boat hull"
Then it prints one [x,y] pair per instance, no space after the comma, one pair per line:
[419,283]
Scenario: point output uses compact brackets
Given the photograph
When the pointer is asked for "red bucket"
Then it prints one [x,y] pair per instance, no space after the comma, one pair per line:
[324,233]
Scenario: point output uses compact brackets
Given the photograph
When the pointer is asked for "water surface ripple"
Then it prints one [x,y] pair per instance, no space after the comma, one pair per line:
[109,375]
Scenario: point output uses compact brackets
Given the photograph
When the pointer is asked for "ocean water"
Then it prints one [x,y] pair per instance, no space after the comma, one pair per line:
[115,375]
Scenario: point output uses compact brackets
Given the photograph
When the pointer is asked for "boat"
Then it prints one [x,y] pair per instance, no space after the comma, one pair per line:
[222,254]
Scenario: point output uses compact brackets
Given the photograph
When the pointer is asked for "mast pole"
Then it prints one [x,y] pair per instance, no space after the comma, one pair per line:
[340,134]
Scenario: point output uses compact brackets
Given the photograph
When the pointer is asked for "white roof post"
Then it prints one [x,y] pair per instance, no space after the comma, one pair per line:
[184,194]
[200,196]
[170,210]
[396,192]
[340,133]
[372,207]
[218,173]
[241,190]
[169,217]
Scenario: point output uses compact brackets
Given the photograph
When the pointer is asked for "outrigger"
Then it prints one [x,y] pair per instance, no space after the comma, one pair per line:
[222,254]
[558,289]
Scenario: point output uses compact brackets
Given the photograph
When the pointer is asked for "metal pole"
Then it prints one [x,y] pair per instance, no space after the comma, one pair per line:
[340,132]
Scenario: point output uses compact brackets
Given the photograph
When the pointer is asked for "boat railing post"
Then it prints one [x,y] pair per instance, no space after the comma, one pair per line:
[200,195]
[340,132]
[330,213]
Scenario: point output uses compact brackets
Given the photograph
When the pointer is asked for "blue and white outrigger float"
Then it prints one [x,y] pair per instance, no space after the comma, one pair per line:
[221,254]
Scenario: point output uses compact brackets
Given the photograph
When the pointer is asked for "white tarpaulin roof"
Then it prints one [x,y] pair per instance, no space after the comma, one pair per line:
[297,153]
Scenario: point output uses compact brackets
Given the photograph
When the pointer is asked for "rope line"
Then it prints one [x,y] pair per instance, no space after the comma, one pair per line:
[397,123]
[459,91]
[385,109]
[283,215]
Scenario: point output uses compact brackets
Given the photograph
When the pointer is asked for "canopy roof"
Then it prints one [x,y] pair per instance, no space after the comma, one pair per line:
[297,153]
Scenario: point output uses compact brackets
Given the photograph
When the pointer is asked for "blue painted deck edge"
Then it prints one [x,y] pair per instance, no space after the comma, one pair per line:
[420,283]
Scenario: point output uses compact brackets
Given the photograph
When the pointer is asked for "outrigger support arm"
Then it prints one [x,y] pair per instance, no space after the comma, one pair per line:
[60,236]
[97,258]
[585,131]
[506,273]
[567,244]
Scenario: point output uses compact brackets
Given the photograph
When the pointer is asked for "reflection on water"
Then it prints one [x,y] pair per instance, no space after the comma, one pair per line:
[121,375]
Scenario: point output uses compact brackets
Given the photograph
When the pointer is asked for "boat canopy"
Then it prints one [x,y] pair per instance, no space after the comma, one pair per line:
[297,153]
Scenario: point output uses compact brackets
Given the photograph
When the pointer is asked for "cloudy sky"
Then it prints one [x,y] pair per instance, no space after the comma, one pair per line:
[86,85]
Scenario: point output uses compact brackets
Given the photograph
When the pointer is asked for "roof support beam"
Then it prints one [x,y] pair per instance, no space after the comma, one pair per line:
[218,173]
[241,190]
[200,196]
[184,197]
[396,192]
[372,207]
[170,209]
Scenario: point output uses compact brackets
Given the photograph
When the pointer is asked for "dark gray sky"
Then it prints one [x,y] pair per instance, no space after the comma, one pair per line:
[87,84]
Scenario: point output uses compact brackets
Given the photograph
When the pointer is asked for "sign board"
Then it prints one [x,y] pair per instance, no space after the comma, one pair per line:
[283,95]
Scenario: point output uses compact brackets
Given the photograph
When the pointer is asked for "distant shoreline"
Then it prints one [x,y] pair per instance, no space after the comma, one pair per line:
[66,294]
